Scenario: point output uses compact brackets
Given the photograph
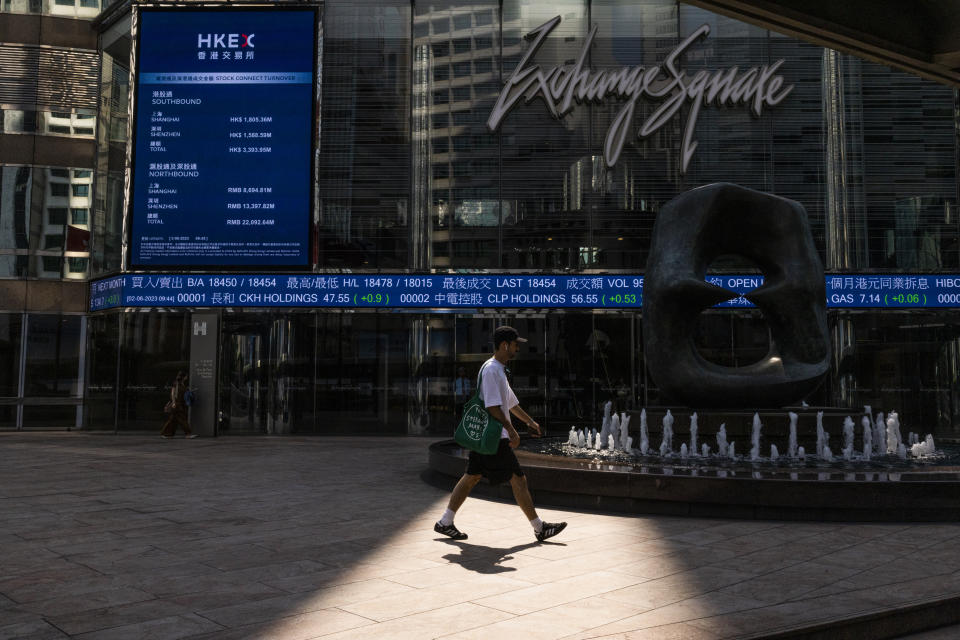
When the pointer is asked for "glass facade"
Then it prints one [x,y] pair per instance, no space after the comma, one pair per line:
[106,243]
[48,121]
[42,368]
[409,179]
[60,8]
[45,222]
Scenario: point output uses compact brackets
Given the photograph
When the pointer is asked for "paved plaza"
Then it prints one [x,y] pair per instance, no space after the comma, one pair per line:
[131,536]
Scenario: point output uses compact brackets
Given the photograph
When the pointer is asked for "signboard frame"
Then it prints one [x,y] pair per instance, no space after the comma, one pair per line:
[241,265]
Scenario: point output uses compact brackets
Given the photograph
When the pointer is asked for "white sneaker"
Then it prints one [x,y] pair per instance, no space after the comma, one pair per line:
[192,435]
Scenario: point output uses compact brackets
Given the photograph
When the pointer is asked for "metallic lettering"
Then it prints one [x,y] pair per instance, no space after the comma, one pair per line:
[563,85]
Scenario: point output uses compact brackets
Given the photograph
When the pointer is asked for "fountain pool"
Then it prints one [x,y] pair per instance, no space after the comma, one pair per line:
[855,483]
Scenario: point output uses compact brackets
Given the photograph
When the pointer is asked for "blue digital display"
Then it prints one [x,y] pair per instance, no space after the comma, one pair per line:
[483,291]
[222,166]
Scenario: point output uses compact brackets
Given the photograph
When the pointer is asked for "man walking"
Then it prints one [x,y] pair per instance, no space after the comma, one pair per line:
[501,466]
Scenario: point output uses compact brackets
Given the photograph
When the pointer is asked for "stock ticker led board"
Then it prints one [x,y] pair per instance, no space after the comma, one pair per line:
[223,131]
[473,292]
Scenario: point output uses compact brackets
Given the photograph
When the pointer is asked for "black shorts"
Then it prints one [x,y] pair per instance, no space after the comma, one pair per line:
[498,467]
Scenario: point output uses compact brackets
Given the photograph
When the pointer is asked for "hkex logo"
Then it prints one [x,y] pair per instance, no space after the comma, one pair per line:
[224,40]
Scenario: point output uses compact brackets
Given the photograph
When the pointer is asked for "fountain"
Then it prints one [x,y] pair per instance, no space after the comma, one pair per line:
[911,479]
[644,433]
[887,478]
[792,442]
[755,438]
[666,445]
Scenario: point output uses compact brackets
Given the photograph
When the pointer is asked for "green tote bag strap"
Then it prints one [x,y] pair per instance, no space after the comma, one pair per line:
[478,430]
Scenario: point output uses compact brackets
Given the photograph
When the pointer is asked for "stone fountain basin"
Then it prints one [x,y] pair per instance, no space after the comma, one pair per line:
[930,493]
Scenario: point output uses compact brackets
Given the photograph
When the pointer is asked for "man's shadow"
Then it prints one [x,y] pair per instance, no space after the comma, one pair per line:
[483,559]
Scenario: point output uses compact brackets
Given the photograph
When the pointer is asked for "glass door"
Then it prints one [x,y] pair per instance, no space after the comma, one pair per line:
[243,375]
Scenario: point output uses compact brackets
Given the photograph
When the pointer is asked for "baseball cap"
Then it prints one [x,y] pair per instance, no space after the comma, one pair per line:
[506,334]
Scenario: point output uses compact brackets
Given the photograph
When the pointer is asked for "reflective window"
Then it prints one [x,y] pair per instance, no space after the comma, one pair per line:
[78,123]
[43,211]
[56,216]
[112,136]
[100,392]
[875,172]
[267,371]
[10,330]
[459,188]
[15,201]
[53,356]
[365,150]
[49,416]
[362,370]
[155,347]
[547,186]
[59,189]
[66,8]
[904,361]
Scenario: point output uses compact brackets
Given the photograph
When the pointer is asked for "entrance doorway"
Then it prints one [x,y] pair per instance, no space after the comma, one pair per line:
[243,381]
[266,373]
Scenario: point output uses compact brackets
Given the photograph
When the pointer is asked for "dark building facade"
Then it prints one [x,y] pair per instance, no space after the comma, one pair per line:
[410,180]
[49,74]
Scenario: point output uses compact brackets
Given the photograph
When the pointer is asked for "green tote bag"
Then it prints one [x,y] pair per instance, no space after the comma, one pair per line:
[478,430]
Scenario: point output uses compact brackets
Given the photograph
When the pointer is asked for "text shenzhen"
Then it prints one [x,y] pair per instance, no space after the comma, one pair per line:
[399,291]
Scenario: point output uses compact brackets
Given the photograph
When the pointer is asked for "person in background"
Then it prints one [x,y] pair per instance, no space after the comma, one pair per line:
[178,412]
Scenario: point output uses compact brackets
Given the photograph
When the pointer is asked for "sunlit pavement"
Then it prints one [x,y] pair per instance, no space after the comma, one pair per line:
[132,537]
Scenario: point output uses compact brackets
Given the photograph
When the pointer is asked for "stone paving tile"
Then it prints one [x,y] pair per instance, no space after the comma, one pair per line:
[867,554]
[11,616]
[290,569]
[34,629]
[945,633]
[374,590]
[27,560]
[61,577]
[332,577]
[559,592]
[772,558]
[679,631]
[87,543]
[426,625]
[475,589]
[679,615]
[171,586]
[790,614]
[74,602]
[655,567]
[788,583]
[554,570]
[555,622]
[659,592]
[296,627]
[224,595]
[290,538]
[121,615]
[890,573]
[157,629]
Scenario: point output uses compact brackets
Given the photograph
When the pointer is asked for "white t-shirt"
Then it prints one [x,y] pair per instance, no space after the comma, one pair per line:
[496,391]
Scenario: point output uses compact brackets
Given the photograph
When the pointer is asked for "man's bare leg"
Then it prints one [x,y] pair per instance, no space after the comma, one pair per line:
[460,493]
[521,493]
[462,490]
